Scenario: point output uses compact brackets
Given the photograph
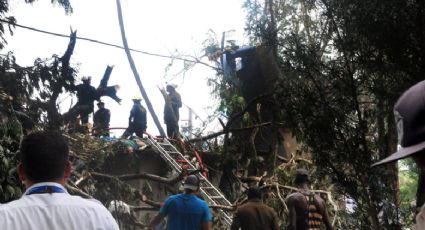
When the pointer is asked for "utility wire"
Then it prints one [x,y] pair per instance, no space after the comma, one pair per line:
[108,44]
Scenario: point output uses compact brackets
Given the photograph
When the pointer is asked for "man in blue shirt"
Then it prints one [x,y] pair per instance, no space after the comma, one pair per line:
[185,211]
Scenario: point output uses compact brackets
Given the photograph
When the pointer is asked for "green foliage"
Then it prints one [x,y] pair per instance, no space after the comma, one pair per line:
[408,177]
[10,136]
[63,3]
[344,64]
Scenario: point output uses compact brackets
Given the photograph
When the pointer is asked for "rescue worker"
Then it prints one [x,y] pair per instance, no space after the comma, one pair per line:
[173,102]
[306,209]
[137,119]
[254,214]
[101,120]
[105,90]
[86,95]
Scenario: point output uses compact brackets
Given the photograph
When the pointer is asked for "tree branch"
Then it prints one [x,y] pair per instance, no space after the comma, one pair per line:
[136,176]
[224,131]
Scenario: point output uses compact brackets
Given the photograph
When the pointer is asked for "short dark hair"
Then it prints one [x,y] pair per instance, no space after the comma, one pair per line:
[301,176]
[254,192]
[44,156]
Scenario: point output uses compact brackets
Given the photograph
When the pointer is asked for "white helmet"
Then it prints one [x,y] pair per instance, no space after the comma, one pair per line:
[86,78]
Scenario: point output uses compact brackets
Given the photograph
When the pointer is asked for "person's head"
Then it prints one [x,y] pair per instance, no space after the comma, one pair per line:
[101,105]
[409,113]
[254,192]
[86,80]
[136,99]
[191,184]
[301,177]
[44,158]
[171,88]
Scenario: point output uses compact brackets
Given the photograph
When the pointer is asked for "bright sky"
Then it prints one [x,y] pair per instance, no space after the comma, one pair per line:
[160,26]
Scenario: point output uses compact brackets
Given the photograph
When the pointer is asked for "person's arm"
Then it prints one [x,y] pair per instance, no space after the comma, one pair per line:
[131,116]
[275,221]
[207,218]
[162,213]
[155,221]
[325,216]
[235,223]
[108,116]
[292,222]
[207,225]
[144,120]
[177,101]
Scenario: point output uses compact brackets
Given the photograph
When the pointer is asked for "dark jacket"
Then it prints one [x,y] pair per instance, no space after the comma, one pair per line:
[101,118]
[255,215]
[86,95]
[171,110]
[137,115]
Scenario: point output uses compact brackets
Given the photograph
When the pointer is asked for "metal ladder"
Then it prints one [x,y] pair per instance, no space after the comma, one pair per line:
[172,156]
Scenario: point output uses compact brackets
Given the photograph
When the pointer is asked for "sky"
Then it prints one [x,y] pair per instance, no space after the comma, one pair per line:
[160,26]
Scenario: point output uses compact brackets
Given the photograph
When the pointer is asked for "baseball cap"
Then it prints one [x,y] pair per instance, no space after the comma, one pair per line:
[191,183]
[409,113]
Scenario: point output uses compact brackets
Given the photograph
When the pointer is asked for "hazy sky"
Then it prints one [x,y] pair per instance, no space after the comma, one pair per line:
[160,26]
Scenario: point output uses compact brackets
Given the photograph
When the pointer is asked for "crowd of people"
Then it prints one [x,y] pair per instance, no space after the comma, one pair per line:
[137,124]
[45,167]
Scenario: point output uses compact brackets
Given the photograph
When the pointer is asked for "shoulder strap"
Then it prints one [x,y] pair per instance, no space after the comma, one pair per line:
[313,215]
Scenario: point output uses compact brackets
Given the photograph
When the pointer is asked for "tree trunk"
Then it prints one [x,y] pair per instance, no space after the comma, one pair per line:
[136,74]
[420,193]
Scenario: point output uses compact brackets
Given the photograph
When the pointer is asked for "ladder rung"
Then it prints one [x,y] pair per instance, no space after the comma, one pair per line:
[208,188]
[173,157]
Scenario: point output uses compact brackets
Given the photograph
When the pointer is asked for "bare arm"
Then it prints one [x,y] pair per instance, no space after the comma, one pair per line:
[292,222]
[275,224]
[235,223]
[156,220]
[325,216]
[207,225]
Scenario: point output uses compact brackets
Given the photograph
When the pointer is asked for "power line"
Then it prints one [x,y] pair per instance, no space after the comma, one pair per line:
[107,44]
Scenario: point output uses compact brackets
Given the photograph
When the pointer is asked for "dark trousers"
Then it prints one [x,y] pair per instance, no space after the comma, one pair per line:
[134,128]
[172,129]
[83,111]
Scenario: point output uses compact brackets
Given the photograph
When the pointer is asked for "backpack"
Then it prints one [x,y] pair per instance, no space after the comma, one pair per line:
[313,215]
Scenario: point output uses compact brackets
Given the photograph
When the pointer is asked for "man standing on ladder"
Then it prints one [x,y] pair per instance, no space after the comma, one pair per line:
[173,103]
[137,119]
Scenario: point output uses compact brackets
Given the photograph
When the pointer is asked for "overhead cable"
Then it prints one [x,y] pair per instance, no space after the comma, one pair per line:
[107,44]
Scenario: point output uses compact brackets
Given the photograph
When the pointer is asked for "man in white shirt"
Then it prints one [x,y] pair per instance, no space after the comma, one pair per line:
[44,169]
[409,112]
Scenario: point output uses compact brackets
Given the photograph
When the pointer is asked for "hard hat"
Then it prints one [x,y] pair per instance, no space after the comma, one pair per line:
[136,98]
[86,78]
[174,86]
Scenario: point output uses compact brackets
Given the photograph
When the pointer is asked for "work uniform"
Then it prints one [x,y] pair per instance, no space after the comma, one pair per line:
[86,95]
[173,102]
[54,208]
[136,121]
[101,122]
[255,215]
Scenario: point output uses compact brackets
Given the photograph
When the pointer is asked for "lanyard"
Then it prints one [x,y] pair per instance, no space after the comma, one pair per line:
[45,189]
